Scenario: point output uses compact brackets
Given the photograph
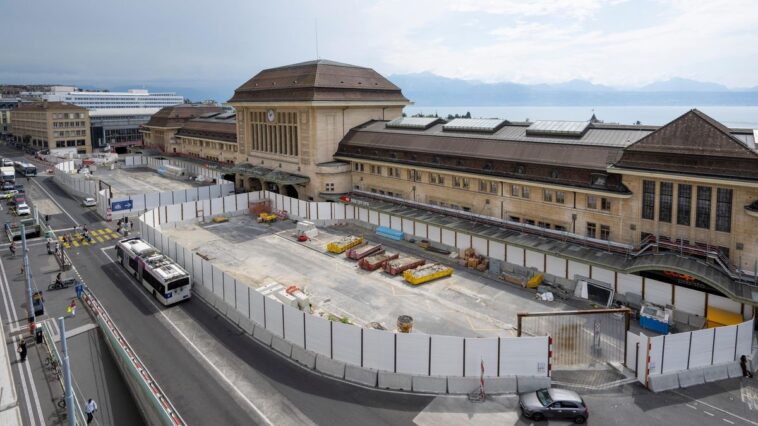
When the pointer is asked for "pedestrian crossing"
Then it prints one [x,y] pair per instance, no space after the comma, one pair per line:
[98,236]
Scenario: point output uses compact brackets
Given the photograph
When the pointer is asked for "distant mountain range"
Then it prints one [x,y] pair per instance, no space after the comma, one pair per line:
[433,90]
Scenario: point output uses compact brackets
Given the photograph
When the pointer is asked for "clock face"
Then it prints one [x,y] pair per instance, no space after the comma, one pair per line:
[270,115]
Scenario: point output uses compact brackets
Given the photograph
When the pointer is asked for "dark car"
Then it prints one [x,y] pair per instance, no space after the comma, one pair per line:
[553,404]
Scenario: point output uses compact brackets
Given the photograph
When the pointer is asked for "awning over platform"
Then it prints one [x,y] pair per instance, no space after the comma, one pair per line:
[270,175]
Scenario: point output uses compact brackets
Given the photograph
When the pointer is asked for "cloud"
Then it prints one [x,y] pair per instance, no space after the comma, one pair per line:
[577,9]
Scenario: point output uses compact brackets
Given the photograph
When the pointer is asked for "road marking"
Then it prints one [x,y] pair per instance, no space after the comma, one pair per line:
[728,421]
[716,408]
[197,350]
[56,202]
[692,406]
[30,408]
[708,413]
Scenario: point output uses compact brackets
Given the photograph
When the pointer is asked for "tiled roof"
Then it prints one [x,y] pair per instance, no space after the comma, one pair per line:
[177,115]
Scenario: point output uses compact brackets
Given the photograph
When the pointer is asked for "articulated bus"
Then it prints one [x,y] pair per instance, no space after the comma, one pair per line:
[162,277]
[25,169]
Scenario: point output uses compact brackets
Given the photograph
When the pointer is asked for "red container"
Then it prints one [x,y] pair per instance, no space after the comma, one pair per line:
[397,266]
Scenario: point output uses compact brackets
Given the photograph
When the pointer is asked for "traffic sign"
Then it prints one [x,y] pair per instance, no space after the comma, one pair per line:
[121,205]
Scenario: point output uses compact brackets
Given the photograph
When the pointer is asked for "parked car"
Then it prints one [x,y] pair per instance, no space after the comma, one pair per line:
[89,202]
[9,194]
[553,404]
[23,209]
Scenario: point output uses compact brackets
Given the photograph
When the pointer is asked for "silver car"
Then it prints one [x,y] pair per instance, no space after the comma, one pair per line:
[553,404]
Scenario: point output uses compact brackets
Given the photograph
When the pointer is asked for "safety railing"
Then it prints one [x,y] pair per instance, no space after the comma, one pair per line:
[56,360]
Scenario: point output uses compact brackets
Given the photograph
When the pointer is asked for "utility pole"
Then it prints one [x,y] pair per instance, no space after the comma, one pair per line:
[69,392]
[28,277]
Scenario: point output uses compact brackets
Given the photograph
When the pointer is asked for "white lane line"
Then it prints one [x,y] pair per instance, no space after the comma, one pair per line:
[710,414]
[692,406]
[55,202]
[8,300]
[716,408]
[728,421]
[196,349]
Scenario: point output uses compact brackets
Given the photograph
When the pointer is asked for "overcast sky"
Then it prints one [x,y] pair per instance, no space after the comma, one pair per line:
[218,42]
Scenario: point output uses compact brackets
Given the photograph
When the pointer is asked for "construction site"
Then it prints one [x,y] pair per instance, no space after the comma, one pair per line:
[127,182]
[352,275]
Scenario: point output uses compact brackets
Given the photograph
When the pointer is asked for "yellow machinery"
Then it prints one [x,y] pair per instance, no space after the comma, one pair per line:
[424,274]
[220,219]
[719,317]
[266,217]
[343,244]
[535,281]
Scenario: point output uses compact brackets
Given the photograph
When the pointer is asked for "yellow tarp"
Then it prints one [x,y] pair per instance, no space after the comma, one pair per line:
[718,317]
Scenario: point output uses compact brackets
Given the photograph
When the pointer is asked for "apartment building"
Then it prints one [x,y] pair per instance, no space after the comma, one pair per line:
[50,125]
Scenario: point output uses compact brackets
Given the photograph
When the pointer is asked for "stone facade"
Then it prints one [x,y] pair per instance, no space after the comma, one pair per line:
[50,125]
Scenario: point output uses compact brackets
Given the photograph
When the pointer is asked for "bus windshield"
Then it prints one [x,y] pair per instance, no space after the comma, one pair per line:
[178,283]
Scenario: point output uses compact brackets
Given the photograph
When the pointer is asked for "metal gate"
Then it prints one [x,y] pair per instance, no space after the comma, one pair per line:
[580,338]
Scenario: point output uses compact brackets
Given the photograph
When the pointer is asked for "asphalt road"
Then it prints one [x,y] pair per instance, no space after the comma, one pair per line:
[203,395]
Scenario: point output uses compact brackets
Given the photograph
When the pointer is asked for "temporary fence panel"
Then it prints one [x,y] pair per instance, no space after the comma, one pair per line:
[197,271]
[605,275]
[632,340]
[346,343]
[446,357]
[434,233]
[642,360]
[690,301]
[656,355]
[217,275]
[534,259]
[480,245]
[152,200]
[483,350]
[191,194]
[745,339]
[242,201]
[257,307]
[243,299]
[701,348]
[349,212]
[396,223]
[379,349]
[462,241]
[207,269]
[448,237]
[724,303]
[676,351]
[413,353]
[165,198]
[230,294]
[274,316]
[205,205]
[496,250]
[318,335]
[628,283]
[555,266]
[577,268]
[407,227]
[384,220]
[339,211]
[363,215]
[526,356]
[657,292]
[294,326]
[514,255]
[203,193]
[373,217]
[217,206]
[324,211]
[230,204]
[215,191]
[421,229]
[174,213]
[180,196]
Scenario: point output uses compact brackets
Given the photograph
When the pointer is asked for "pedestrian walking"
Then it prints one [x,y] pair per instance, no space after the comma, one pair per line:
[12,248]
[743,365]
[71,309]
[90,409]
[79,287]
[22,350]
[131,225]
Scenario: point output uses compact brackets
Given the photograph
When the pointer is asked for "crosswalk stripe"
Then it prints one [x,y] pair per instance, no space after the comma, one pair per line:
[106,237]
[75,244]
[99,239]
[84,243]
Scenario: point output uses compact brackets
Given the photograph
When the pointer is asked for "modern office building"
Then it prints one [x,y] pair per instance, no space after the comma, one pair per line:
[118,129]
[97,100]
[50,125]
[160,131]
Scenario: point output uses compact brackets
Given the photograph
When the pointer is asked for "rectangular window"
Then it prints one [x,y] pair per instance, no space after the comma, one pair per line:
[560,197]
[547,195]
[466,183]
[605,204]
[724,210]
[591,228]
[703,212]
[528,221]
[666,196]
[493,188]
[414,175]
[591,202]
[605,232]
[456,182]
[525,191]
[560,228]
[684,205]
[648,199]
[543,225]
[515,190]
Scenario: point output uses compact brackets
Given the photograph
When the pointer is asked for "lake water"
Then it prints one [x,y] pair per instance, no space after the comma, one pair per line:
[731,116]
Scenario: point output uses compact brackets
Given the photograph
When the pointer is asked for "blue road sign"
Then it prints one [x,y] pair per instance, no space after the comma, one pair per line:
[121,205]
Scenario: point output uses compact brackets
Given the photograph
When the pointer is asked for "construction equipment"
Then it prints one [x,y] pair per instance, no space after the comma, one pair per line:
[307,229]
[474,261]
[220,219]
[377,260]
[358,253]
[424,274]
[266,217]
[535,281]
[344,244]
[405,323]
[394,267]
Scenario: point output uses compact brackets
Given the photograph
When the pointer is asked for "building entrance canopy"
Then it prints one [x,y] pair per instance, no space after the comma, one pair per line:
[270,175]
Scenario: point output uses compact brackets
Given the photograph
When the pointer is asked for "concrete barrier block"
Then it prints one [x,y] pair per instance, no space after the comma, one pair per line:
[263,335]
[429,384]
[734,369]
[462,385]
[330,366]
[282,346]
[247,325]
[396,381]
[304,357]
[531,383]
[663,382]
[500,385]
[692,377]
[715,372]
[363,376]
